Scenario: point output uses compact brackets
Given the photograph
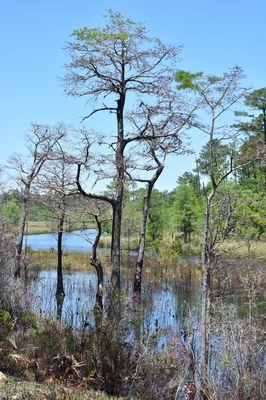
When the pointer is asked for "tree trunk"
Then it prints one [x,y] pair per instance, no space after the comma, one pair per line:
[264,142]
[264,125]
[98,265]
[99,294]
[205,320]
[19,244]
[59,306]
[60,286]
[141,249]
[117,207]
[116,245]
[205,300]
[146,204]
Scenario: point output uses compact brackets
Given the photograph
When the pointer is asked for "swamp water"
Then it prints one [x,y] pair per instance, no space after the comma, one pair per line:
[166,302]
[164,305]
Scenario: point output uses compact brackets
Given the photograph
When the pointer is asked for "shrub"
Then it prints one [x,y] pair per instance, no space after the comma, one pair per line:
[6,325]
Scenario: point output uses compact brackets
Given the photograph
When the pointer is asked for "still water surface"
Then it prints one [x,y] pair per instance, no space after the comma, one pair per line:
[73,241]
[166,302]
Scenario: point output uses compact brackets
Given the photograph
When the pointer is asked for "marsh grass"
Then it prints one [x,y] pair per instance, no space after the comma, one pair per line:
[70,361]
[170,268]
[40,227]
[46,259]
[238,249]
[105,242]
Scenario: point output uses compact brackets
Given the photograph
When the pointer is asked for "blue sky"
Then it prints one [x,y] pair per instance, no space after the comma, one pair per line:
[215,36]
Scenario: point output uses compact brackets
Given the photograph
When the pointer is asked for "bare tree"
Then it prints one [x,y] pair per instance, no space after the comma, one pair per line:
[40,143]
[112,63]
[218,95]
[58,183]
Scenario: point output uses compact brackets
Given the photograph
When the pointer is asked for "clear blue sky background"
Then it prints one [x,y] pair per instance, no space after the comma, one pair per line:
[215,35]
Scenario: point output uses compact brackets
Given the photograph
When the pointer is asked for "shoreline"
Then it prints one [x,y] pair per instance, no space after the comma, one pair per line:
[47,230]
[38,259]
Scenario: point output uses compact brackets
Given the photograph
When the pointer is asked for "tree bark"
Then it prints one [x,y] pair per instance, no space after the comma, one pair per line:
[59,306]
[60,285]
[120,177]
[98,265]
[116,244]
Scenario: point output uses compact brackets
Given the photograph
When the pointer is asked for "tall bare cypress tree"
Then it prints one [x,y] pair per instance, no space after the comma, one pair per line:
[107,66]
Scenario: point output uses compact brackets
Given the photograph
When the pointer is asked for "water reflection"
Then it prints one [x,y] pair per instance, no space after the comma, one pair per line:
[79,295]
[164,304]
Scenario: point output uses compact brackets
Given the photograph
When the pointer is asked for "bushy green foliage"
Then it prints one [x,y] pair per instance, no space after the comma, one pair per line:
[217,161]
[250,215]
[252,150]
[257,99]
[157,219]
[11,213]
[6,325]
[26,319]
[187,80]
[49,339]
[186,211]
[118,28]
[252,176]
